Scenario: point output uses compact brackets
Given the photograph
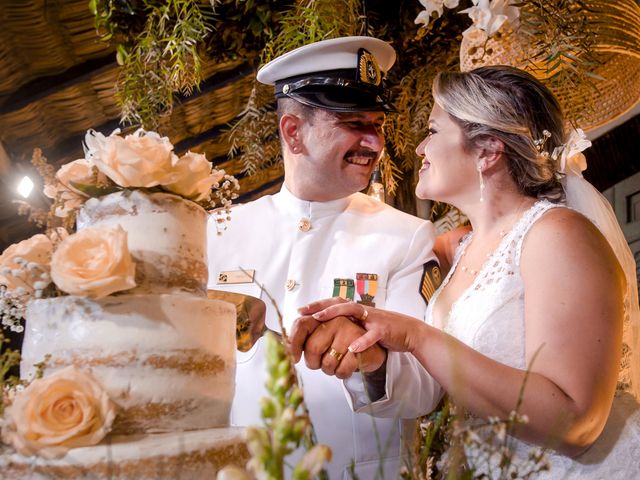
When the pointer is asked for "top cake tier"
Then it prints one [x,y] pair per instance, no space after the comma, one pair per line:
[166,237]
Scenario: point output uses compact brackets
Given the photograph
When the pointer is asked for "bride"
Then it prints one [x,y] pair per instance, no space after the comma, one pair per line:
[534,287]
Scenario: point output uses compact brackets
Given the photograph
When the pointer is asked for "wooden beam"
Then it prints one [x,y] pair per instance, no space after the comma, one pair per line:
[45,86]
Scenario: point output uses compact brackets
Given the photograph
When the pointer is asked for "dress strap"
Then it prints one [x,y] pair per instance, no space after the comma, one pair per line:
[528,220]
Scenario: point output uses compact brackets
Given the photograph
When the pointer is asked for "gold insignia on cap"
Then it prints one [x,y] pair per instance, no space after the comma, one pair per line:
[368,69]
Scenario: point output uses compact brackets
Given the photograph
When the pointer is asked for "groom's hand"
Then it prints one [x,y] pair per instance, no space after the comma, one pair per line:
[325,345]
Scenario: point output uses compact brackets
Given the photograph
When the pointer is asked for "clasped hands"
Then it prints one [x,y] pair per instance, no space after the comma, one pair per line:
[325,342]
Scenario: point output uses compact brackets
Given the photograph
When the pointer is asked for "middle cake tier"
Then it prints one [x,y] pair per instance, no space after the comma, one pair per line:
[166,360]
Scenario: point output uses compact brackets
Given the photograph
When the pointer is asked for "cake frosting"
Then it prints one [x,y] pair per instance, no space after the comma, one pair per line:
[166,237]
[163,352]
[166,360]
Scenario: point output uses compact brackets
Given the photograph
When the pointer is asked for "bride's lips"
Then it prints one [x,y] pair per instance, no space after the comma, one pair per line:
[425,166]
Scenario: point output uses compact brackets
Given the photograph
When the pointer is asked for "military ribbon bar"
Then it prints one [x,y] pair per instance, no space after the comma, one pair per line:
[367,287]
[344,288]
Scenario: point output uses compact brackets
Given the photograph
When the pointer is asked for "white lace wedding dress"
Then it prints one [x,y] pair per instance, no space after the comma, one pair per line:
[489,316]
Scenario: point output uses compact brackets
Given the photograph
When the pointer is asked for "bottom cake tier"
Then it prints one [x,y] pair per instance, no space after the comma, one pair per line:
[197,454]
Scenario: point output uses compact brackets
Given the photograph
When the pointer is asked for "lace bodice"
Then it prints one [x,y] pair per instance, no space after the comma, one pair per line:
[489,317]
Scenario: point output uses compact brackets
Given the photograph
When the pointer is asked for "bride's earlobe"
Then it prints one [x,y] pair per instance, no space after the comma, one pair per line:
[491,152]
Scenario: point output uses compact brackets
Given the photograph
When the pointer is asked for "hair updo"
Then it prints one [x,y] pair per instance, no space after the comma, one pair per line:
[511,105]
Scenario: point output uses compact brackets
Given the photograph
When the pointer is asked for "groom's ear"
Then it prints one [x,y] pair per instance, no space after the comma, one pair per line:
[290,131]
[491,151]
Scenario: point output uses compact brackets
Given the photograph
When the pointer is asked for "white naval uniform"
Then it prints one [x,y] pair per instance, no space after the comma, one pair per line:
[297,248]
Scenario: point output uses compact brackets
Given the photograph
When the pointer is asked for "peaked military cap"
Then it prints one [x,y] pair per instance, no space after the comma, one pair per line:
[341,74]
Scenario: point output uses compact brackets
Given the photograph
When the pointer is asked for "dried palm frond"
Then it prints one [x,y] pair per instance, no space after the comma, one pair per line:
[254,136]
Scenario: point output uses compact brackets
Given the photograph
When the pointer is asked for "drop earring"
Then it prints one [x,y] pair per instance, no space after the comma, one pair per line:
[481,183]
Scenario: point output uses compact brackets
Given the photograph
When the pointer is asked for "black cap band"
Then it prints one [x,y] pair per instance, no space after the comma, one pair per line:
[337,90]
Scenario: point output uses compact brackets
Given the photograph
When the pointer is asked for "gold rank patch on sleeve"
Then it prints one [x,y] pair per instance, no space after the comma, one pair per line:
[431,280]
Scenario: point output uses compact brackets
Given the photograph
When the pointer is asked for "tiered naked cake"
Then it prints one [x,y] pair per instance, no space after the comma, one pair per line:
[163,351]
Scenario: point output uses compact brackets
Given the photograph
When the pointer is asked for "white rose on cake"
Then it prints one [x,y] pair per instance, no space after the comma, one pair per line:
[65,410]
[142,159]
[194,177]
[94,262]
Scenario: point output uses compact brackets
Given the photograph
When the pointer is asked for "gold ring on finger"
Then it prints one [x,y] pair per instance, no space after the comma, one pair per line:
[365,314]
[336,354]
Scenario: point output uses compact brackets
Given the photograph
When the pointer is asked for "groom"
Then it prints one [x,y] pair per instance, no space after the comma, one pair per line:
[318,237]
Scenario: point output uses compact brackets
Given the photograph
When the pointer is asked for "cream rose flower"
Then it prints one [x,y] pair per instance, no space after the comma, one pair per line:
[65,410]
[20,279]
[63,190]
[69,200]
[76,172]
[194,177]
[142,159]
[94,262]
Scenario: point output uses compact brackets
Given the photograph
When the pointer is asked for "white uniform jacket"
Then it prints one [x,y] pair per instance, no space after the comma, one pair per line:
[304,251]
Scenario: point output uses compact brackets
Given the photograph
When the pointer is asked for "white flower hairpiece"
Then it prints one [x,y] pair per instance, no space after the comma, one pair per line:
[569,155]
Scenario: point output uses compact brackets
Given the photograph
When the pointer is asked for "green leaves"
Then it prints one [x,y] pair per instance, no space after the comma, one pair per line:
[95,190]
[286,422]
[157,46]
[8,359]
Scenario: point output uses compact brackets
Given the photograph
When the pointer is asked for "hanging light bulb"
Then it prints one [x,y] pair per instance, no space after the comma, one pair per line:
[25,186]
[376,187]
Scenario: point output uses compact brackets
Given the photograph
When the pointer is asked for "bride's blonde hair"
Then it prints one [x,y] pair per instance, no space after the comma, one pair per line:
[508,104]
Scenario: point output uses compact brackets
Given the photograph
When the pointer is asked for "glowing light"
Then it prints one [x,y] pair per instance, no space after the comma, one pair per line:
[376,190]
[25,187]
[376,187]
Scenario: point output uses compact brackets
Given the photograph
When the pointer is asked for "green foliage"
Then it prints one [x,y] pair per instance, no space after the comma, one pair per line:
[161,45]
[450,445]
[241,28]
[314,20]
[8,360]
[157,61]
[287,425]
[432,440]
[254,136]
[411,79]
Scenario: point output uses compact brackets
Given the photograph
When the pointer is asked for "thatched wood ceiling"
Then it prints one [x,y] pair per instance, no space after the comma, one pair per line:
[58,79]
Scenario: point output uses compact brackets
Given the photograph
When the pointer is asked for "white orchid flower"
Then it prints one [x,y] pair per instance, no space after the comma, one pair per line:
[489,15]
[431,6]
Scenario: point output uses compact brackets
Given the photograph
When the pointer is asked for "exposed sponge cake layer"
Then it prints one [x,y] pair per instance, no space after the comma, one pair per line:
[166,360]
[184,455]
[166,237]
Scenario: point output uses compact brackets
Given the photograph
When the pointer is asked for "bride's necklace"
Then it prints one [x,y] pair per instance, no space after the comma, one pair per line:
[471,271]
[466,268]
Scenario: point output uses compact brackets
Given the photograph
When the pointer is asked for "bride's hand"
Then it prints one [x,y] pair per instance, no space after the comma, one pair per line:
[392,330]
